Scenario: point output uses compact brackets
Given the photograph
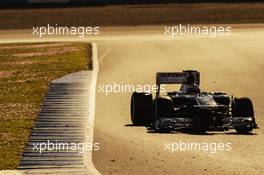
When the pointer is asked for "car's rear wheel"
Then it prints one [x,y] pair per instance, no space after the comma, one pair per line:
[141,108]
[243,107]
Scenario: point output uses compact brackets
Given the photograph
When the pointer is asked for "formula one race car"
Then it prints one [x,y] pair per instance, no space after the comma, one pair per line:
[196,111]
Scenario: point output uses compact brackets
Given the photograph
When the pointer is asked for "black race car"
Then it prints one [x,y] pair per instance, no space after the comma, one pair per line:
[199,112]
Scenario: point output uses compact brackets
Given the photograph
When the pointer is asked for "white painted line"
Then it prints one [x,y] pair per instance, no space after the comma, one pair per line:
[10,172]
[91,113]
[104,55]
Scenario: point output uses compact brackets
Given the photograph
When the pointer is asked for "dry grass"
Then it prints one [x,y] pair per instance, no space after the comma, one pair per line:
[118,15]
[35,45]
[23,83]
[48,52]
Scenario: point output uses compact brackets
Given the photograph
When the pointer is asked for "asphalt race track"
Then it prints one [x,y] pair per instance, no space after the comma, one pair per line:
[233,64]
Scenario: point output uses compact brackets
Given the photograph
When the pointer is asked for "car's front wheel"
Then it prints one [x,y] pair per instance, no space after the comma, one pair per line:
[156,121]
[243,108]
[141,108]
[201,122]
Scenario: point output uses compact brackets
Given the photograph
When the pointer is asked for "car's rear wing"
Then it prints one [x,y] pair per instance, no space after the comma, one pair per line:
[176,77]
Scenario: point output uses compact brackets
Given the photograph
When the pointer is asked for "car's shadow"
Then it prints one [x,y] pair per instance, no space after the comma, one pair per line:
[132,125]
[190,132]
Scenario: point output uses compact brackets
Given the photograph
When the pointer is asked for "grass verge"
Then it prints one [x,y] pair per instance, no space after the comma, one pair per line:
[25,73]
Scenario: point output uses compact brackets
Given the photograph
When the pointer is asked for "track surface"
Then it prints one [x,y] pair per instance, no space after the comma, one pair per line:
[233,64]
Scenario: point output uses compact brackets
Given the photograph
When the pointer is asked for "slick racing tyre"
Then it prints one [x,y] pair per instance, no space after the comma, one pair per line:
[163,107]
[243,107]
[156,121]
[141,108]
[201,123]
